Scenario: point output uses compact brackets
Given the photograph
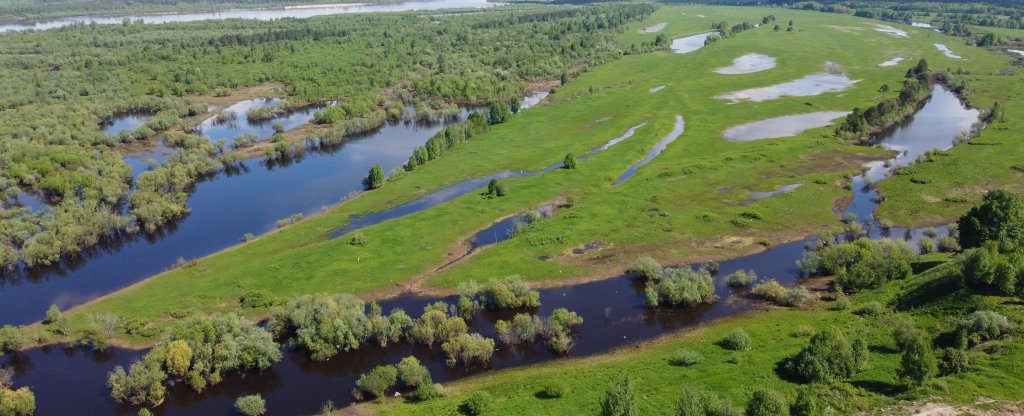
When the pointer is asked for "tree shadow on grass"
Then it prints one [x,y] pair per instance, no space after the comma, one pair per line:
[927,293]
[882,349]
[923,266]
[880,387]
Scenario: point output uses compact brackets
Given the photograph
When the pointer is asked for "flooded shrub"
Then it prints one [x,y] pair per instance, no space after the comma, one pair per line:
[411,373]
[767,403]
[926,245]
[741,278]
[620,398]
[558,329]
[478,403]
[142,384]
[828,356]
[523,328]
[869,309]
[737,340]
[251,405]
[508,293]
[11,338]
[948,244]
[436,326]
[770,290]
[680,287]
[981,326]
[862,264]
[645,268]
[468,349]
[686,358]
[376,382]
[20,402]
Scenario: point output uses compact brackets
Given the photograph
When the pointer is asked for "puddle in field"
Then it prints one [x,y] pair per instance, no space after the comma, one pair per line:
[1016,51]
[690,43]
[948,52]
[784,126]
[656,150]
[810,85]
[653,29]
[658,88]
[748,64]
[757,196]
[892,62]
[891,30]
[127,122]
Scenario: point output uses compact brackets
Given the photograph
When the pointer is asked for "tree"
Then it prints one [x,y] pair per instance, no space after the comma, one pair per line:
[499,113]
[917,364]
[251,405]
[515,105]
[20,402]
[767,403]
[477,403]
[468,348]
[53,315]
[179,358]
[565,78]
[620,399]
[805,404]
[142,384]
[375,179]
[411,373]
[378,380]
[1000,217]
[11,338]
[569,162]
[828,357]
[883,89]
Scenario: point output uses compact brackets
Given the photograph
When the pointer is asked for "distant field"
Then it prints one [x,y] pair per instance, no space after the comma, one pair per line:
[672,209]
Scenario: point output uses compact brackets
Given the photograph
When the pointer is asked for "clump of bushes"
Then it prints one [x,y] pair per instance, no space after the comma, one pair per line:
[741,278]
[328,324]
[478,403]
[981,326]
[686,358]
[508,293]
[699,402]
[828,356]
[556,330]
[646,268]
[251,405]
[737,340]
[468,349]
[870,309]
[780,295]
[673,286]
[862,264]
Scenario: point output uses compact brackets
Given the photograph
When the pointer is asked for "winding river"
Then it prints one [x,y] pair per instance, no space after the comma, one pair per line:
[71,380]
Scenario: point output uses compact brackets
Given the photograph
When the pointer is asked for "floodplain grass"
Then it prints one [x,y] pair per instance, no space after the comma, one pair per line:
[672,209]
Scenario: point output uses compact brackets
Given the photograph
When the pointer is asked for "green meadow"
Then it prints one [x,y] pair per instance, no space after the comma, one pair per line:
[673,209]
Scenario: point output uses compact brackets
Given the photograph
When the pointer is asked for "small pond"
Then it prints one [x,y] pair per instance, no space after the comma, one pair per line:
[891,30]
[235,122]
[123,123]
[659,147]
[892,62]
[807,86]
[653,28]
[748,64]
[948,52]
[690,43]
[784,126]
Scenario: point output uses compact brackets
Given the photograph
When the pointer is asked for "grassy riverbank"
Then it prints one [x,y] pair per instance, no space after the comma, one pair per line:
[673,209]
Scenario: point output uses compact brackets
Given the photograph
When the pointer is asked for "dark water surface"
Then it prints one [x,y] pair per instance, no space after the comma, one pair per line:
[71,381]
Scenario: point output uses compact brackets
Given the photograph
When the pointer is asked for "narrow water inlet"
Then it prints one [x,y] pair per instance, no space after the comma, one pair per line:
[659,147]
[690,43]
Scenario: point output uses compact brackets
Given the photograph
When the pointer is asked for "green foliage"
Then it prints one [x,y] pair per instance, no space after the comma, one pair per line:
[468,349]
[553,390]
[436,326]
[986,269]
[870,309]
[178,358]
[828,357]
[569,162]
[646,268]
[411,373]
[496,188]
[686,358]
[917,363]
[256,299]
[699,402]
[1000,217]
[508,293]
[981,326]
[328,324]
[778,294]
[375,179]
[20,402]
[477,403]
[741,278]
[806,404]
[378,380]
[862,264]
[680,287]
[142,384]
[737,340]
[11,338]
[955,361]
[619,399]
[251,405]
[53,315]
[767,403]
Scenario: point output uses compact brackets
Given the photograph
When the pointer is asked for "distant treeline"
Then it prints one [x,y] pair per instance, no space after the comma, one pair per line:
[27,9]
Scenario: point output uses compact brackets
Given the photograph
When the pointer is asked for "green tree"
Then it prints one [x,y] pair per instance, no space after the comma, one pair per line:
[1000,217]
[53,315]
[805,404]
[917,364]
[767,403]
[883,90]
[375,179]
[142,384]
[515,105]
[11,338]
[569,162]
[411,373]
[828,357]
[499,113]
[251,405]
[20,402]
[179,358]
[477,403]
[620,399]
[378,380]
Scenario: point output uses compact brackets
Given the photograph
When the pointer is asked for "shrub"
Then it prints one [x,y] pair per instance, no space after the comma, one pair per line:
[917,364]
[569,162]
[741,278]
[553,390]
[508,293]
[411,373]
[681,287]
[686,358]
[862,264]
[999,217]
[805,404]
[645,268]
[256,299]
[904,332]
[11,338]
[53,315]
[141,384]
[948,244]
[770,290]
[926,245]
[955,361]
[699,402]
[737,340]
[767,403]
[827,357]
[378,380]
[375,179]
[981,326]
[251,405]
[869,309]
[841,303]
[328,324]
[468,348]
[477,403]
[797,296]
[619,399]
[20,402]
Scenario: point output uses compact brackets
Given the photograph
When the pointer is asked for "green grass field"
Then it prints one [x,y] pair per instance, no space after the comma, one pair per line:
[672,209]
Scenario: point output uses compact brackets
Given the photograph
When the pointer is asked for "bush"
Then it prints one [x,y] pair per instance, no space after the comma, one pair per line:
[948,244]
[20,402]
[737,340]
[981,326]
[841,303]
[681,287]
[904,333]
[770,290]
[256,299]
[955,361]
[917,364]
[741,278]
[862,264]
[797,296]
[926,245]
[686,358]
[468,348]
[11,338]
[767,403]
[252,405]
[328,324]
[53,315]
[553,390]
[411,373]
[827,357]
[698,402]
[869,309]
[620,399]
[142,384]
[805,404]
[378,380]
[569,162]
[645,268]
[508,293]
[477,403]
[999,217]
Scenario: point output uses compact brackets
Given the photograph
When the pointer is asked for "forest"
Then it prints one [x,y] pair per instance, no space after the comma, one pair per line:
[28,9]
[368,63]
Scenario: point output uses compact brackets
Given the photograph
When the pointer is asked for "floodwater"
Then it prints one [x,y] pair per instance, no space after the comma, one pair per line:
[892,62]
[659,147]
[653,28]
[690,43]
[238,124]
[1016,51]
[748,64]
[814,84]
[757,196]
[253,14]
[71,380]
[658,88]
[948,52]
[891,30]
[784,126]
[127,122]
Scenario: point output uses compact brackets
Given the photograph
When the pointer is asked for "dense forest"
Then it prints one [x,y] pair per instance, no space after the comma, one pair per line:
[58,86]
[27,9]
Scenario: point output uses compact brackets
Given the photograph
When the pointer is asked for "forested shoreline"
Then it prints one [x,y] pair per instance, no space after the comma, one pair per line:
[15,10]
[373,65]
